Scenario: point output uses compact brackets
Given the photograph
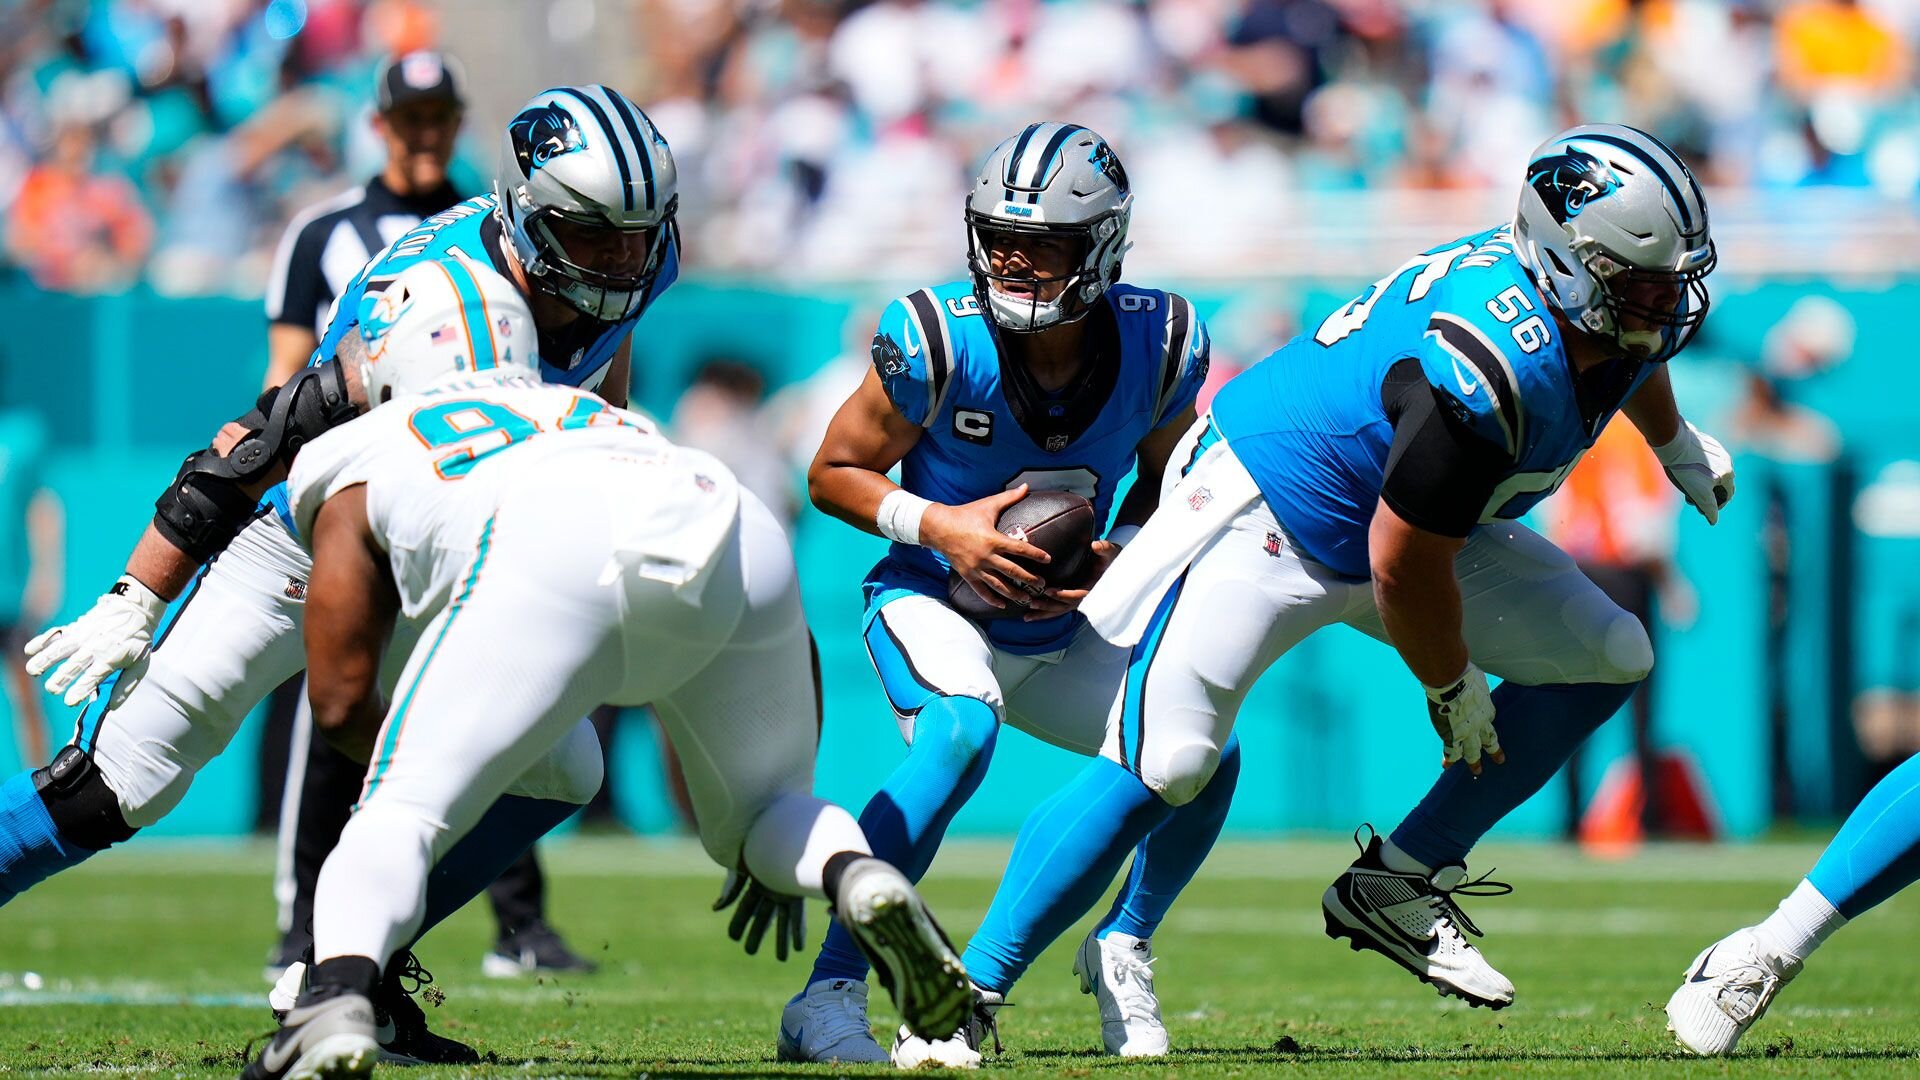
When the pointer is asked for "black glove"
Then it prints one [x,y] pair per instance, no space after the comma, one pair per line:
[759,907]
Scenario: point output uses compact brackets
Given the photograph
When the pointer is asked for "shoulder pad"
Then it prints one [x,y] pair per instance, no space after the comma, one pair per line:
[1472,373]
[913,356]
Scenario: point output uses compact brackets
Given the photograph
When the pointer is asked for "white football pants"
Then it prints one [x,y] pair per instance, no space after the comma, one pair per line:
[1528,614]
[539,636]
[233,640]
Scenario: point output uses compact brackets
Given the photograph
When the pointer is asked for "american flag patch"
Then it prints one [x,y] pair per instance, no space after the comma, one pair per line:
[442,334]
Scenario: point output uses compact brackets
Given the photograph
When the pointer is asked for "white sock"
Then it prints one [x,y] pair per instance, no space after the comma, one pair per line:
[788,845]
[1801,922]
[1401,862]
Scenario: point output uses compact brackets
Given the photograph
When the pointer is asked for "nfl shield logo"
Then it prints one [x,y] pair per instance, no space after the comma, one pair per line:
[296,589]
[1056,443]
[503,325]
[1200,498]
[1273,544]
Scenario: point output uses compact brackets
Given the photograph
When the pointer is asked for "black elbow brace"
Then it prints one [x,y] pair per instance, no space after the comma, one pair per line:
[207,504]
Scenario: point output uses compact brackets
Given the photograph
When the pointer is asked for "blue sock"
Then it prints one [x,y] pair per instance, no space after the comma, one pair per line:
[502,835]
[1877,851]
[31,847]
[1171,854]
[1539,728]
[905,821]
[1066,856]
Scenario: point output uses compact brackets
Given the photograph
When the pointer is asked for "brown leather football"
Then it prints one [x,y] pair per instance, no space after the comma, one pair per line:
[1059,523]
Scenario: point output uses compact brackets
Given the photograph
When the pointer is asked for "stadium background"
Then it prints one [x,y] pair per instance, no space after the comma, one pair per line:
[1284,152]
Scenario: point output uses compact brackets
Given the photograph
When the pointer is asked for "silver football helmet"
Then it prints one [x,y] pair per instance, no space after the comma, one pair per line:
[587,195]
[1614,229]
[1060,181]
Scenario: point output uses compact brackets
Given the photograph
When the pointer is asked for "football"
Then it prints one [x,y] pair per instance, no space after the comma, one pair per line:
[1059,523]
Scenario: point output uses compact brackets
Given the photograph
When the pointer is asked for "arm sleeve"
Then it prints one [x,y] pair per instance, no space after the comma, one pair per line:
[1189,353]
[912,366]
[297,291]
[1441,472]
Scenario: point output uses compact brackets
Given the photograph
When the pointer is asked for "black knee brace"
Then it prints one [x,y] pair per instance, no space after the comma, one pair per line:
[82,806]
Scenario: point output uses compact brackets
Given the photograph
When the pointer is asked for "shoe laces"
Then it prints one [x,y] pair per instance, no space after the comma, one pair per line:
[984,1022]
[841,1016]
[1132,984]
[1441,897]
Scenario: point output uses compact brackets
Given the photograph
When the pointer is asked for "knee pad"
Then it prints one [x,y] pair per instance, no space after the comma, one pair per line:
[1626,650]
[1180,773]
[82,806]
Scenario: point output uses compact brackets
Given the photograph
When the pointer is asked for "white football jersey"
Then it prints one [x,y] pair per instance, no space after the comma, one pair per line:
[437,463]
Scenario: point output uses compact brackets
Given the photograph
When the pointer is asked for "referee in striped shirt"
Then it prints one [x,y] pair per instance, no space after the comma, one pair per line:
[420,105]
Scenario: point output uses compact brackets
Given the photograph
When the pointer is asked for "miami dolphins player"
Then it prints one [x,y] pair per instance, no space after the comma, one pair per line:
[1039,371]
[1371,472]
[582,220]
[1730,985]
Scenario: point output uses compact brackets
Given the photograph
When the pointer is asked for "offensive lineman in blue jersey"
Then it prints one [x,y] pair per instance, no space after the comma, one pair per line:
[1040,372]
[1369,473]
[582,221]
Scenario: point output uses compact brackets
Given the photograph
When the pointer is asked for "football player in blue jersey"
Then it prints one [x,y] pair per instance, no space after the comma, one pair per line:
[1371,473]
[582,222]
[1039,371]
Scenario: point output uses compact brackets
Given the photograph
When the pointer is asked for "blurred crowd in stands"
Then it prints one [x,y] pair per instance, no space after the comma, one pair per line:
[175,137]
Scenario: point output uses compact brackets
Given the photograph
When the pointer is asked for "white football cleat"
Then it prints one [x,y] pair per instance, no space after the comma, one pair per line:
[1413,920]
[961,1050]
[1118,972]
[827,1022]
[1727,991]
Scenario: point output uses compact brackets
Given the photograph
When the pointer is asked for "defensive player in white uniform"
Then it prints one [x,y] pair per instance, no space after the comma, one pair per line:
[583,222]
[562,554]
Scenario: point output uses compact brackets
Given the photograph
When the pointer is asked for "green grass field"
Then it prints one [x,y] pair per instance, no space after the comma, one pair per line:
[148,963]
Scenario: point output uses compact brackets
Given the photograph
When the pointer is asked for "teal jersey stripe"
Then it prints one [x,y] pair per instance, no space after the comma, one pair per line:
[399,720]
[473,313]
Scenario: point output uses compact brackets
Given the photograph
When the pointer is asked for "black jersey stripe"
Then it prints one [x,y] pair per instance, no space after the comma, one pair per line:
[641,148]
[1468,345]
[1179,323]
[936,345]
[607,128]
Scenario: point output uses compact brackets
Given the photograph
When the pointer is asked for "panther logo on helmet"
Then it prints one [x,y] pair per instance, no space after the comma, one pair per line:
[1108,163]
[1567,182]
[543,133]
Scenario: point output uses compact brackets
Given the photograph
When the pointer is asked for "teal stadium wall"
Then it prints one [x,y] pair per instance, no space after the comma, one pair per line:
[1333,736]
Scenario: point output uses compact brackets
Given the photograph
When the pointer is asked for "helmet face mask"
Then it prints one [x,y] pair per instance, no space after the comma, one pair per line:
[587,196]
[598,268]
[1046,227]
[1614,229]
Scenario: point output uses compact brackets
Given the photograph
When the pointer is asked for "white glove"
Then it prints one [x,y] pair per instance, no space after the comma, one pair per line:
[759,907]
[1701,468]
[114,635]
[1462,712]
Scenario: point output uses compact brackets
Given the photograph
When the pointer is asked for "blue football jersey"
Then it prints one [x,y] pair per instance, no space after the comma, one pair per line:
[939,360]
[472,228]
[1310,424]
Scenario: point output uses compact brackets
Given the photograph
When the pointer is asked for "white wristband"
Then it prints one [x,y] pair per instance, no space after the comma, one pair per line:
[1122,535]
[899,516]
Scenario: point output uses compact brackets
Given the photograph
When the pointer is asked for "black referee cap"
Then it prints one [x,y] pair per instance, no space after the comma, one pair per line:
[420,76]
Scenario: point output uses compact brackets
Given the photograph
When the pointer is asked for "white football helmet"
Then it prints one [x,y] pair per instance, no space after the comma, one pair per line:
[448,318]
[587,193]
[1613,228]
[1055,180]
